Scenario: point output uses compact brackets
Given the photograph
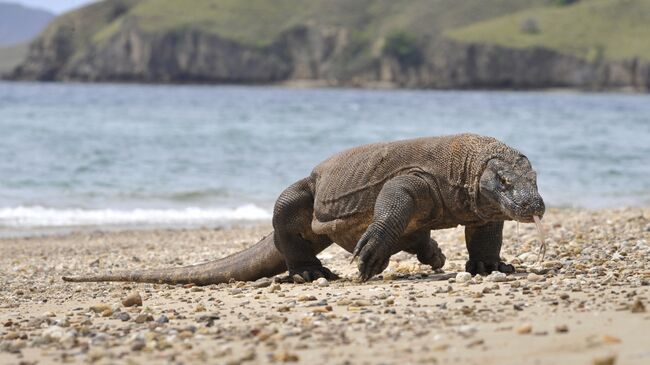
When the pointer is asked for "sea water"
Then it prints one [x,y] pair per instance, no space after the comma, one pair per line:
[159,155]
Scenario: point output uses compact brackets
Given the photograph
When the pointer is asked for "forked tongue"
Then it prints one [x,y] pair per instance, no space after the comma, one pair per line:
[541,253]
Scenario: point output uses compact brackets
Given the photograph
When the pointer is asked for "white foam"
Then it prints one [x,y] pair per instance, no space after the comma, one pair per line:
[50,217]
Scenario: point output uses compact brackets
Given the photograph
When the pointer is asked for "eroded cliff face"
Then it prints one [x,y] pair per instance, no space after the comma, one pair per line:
[314,53]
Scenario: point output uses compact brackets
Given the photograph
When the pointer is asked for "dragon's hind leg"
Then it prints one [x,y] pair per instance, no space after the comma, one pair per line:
[294,237]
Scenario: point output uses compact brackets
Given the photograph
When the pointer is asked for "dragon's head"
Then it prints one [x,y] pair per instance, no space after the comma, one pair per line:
[512,189]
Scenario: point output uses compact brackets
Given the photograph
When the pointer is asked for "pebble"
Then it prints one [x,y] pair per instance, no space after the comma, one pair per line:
[298,279]
[637,307]
[53,333]
[532,277]
[322,282]
[605,360]
[143,317]
[528,257]
[12,336]
[162,319]
[285,356]
[122,316]
[133,299]
[99,308]
[463,277]
[496,277]
[262,283]
[275,287]
[525,329]
[562,328]
[138,345]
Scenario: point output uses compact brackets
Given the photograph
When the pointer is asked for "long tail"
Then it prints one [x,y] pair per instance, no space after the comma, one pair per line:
[258,261]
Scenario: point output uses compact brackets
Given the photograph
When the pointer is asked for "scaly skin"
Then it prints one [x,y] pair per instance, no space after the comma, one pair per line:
[377,200]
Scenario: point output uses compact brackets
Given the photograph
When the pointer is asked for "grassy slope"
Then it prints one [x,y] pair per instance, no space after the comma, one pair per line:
[590,29]
[259,22]
[80,26]
[11,56]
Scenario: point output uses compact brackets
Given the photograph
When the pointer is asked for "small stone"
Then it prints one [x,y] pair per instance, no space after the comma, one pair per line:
[262,283]
[463,277]
[609,340]
[562,328]
[99,308]
[285,356]
[306,298]
[344,301]
[284,308]
[322,282]
[53,333]
[107,312]
[12,336]
[209,318]
[605,360]
[298,279]
[528,257]
[143,317]
[496,277]
[122,316]
[162,319]
[324,309]
[361,303]
[133,299]
[532,277]
[138,345]
[68,339]
[525,329]
[540,270]
[199,308]
[637,307]
[275,287]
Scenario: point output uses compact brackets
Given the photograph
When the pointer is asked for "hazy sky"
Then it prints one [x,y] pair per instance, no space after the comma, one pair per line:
[57,6]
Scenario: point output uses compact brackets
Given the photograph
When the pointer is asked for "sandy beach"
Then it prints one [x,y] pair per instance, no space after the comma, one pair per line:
[589,303]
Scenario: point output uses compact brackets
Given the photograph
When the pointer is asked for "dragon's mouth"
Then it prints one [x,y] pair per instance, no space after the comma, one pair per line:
[515,211]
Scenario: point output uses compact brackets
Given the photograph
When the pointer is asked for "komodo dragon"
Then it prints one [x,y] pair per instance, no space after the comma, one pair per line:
[379,199]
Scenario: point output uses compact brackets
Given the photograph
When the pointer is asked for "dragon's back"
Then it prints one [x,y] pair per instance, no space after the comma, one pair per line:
[348,183]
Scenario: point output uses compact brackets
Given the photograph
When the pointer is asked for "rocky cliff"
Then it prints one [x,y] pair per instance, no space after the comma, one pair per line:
[333,55]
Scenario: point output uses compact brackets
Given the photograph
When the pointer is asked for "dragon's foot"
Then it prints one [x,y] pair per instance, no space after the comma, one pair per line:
[374,254]
[486,267]
[311,273]
[431,254]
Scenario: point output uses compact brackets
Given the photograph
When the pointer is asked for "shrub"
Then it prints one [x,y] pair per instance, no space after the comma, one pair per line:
[404,47]
[564,2]
[529,26]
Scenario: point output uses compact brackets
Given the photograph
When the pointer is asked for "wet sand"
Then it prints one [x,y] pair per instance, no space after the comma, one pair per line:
[588,304]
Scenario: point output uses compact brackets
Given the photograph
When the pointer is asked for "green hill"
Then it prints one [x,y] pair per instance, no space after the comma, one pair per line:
[409,43]
[589,29]
[259,22]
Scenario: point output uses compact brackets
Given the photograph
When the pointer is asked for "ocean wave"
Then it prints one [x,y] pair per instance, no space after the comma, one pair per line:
[51,217]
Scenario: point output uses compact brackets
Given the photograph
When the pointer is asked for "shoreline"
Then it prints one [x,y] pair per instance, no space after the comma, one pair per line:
[325,85]
[19,232]
[591,307]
